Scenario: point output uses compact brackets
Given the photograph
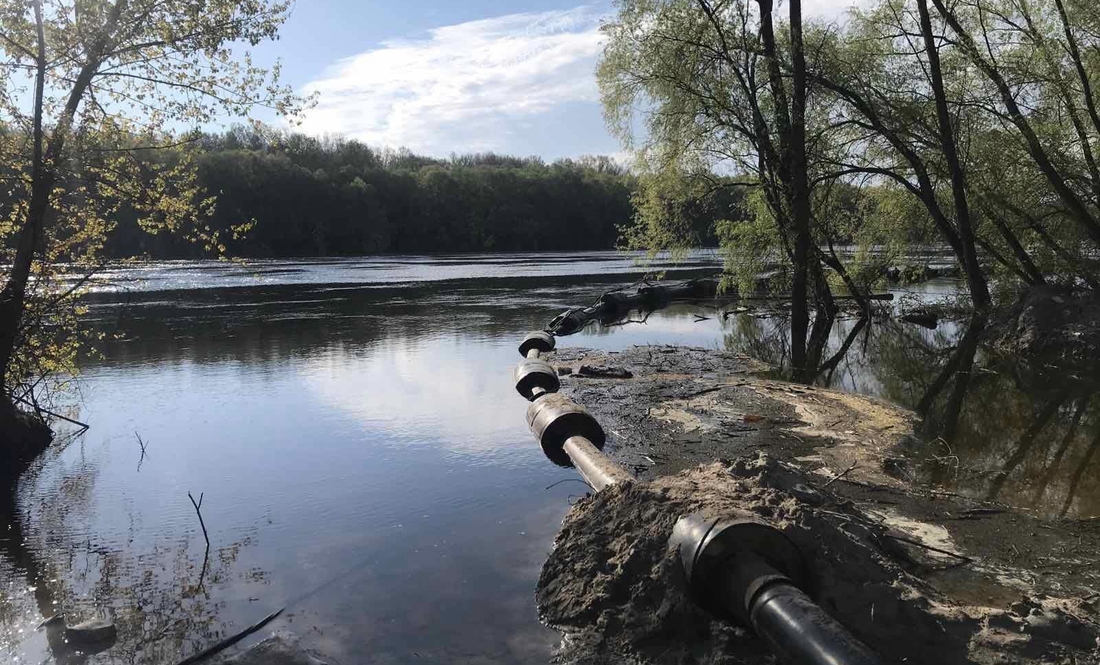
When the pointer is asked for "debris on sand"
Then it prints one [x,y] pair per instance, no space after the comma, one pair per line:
[603,372]
[616,590]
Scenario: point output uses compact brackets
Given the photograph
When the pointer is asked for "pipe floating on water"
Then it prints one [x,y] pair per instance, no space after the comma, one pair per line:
[738,567]
[569,435]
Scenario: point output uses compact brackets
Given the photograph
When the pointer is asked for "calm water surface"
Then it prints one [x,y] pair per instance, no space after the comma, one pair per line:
[363,458]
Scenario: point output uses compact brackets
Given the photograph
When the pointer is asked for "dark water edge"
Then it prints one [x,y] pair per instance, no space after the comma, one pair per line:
[365,460]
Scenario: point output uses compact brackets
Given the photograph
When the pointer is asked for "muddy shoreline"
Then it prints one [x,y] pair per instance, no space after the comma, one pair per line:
[707,429]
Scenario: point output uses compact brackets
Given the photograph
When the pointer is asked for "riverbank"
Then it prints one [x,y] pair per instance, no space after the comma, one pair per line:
[915,571]
[23,436]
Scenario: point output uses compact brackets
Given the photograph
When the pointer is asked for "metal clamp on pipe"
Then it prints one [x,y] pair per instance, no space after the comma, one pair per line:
[745,570]
[571,437]
[535,343]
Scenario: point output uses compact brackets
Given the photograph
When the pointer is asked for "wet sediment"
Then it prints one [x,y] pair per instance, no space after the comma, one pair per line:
[914,571]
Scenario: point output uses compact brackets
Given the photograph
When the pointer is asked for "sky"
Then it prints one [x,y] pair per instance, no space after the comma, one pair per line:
[455,76]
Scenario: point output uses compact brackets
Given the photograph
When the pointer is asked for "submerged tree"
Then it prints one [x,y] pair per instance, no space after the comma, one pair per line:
[93,95]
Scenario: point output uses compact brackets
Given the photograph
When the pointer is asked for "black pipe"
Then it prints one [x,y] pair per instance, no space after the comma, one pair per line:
[747,571]
[801,633]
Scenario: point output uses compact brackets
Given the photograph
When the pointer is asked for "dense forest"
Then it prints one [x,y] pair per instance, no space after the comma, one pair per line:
[304,196]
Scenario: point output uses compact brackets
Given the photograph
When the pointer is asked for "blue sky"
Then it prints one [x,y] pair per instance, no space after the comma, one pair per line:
[443,76]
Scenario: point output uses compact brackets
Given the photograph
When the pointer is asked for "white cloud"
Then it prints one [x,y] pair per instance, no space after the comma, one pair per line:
[461,87]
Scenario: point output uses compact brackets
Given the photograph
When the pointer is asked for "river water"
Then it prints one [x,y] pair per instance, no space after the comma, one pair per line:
[363,459]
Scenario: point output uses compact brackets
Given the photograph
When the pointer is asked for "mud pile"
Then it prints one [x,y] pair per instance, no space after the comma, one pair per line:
[1049,324]
[616,591]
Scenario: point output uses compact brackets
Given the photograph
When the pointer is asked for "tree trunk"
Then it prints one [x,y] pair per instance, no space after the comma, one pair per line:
[800,197]
[14,296]
[791,125]
[1018,250]
[979,290]
[13,299]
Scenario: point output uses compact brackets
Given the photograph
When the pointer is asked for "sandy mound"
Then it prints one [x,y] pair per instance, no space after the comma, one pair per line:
[616,590]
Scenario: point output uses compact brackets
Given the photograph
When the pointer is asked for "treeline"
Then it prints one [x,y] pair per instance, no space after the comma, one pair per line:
[335,197]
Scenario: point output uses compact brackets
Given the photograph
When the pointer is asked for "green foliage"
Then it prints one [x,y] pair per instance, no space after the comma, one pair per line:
[686,85]
[303,196]
[92,97]
[751,248]
[674,214]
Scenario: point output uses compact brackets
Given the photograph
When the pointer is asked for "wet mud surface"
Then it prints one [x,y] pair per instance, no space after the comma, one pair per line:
[920,574]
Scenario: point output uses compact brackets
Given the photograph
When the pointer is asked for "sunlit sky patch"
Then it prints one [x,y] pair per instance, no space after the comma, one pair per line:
[441,77]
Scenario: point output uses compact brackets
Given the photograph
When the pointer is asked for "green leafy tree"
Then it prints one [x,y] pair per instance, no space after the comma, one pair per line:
[93,97]
[726,94]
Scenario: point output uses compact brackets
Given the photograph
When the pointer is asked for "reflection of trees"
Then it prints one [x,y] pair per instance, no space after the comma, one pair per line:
[995,426]
[768,339]
[1011,431]
[1084,465]
[154,597]
[957,371]
[764,339]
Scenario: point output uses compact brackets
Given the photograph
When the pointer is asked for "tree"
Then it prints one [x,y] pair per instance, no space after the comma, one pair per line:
[723,91]
[984,100]
[112,84]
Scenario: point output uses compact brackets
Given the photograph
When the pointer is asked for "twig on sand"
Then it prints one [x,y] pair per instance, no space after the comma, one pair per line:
[917,543]
[839,475]
[230,641]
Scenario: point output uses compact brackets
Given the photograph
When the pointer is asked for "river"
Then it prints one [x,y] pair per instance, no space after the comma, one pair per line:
[363,459]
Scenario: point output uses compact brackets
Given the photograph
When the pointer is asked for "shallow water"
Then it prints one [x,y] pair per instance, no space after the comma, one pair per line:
[363,458]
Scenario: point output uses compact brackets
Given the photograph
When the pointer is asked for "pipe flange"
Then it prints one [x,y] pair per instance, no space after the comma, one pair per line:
[747,549]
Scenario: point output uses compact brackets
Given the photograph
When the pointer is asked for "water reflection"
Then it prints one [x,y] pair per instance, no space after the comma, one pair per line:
[1011,430]
[164,602]
[992,426]
[361,443]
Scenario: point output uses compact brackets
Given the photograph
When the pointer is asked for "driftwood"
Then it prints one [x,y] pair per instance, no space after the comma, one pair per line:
[230,641]
[613,306]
